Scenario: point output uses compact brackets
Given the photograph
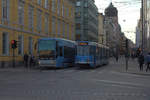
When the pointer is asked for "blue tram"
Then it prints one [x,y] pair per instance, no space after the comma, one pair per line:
[56,52]
[91,54]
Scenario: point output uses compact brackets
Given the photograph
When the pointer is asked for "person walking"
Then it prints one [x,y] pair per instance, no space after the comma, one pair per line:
[148,62]
[26,57]
[117,58]
[31,61]
[141,61]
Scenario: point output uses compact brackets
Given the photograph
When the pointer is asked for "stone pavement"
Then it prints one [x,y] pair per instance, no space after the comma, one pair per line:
[120,66]
[17,69]
[133,67]
[110,82]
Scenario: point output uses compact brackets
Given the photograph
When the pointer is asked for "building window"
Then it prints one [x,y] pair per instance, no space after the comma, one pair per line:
[72,32]
[72,13]
[68,30]
[53,5]
[5,9]
[58,27]
[31,17]
[46,23]
[53,25]
[78,3]
[67,12]
[78,14]
[46,4]
[20,45]
[39,20]
[63,10]
[20,12]
[78,37]
[39,2]
[5,44]
[86,4]
[58,7]
[78,26]
[30,45]
[63,29]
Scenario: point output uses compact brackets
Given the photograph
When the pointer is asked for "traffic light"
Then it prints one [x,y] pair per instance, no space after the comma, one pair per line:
[13,44]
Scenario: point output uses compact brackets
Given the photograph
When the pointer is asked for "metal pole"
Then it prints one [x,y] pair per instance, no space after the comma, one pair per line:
[13,58]
[127,63]
[142,21]
[127,54]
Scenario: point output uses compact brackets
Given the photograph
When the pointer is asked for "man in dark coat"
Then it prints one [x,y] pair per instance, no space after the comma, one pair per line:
[148,61]
[26,57]
[141,61]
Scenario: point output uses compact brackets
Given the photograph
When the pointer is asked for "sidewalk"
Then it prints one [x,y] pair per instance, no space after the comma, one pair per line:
[133,67]
[17,69]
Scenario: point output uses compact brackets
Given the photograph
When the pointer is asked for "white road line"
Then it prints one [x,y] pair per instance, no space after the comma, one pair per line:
[100,72]
[93,71]
[131,87]
[119,73]
[70,71]
[116,82]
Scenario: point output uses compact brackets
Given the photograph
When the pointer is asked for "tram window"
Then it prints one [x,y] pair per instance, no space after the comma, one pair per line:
[92,50]
[83,50]
[69,52]
[79,50]
[60,51]
[86,51]
[101,52]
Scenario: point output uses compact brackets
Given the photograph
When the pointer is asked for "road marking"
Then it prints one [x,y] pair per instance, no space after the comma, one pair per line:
[100,72]
[70,71]
[129,74]
[93,71]
[131,87]
[116,82]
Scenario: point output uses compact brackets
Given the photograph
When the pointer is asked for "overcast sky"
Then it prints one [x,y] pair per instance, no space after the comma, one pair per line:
[128,14]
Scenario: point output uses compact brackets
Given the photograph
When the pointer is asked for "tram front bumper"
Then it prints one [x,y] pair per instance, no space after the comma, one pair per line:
[47,63]
[83,63]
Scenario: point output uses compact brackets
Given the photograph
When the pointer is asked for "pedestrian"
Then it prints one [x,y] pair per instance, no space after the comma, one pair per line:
[30,60]
[132,56]
[26,57]
[141,61]
[148,61]
[117,58]
[126,59]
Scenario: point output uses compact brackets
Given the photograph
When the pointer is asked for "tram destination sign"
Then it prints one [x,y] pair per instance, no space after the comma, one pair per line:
[83,43]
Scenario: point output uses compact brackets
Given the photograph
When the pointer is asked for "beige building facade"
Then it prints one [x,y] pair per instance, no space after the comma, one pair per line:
[147,11]
[112,29]
[101,29]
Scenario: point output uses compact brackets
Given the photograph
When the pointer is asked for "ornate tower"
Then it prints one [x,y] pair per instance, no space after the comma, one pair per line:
[111,11]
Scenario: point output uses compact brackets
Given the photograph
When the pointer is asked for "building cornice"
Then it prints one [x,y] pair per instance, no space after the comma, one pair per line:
[20,30]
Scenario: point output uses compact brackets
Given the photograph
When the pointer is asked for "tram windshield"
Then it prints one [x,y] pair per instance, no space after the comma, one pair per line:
[47,48]
[83,50]
[47,45]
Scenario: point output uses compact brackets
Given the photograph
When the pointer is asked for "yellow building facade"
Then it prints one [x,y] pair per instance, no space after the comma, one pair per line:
[28,20]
